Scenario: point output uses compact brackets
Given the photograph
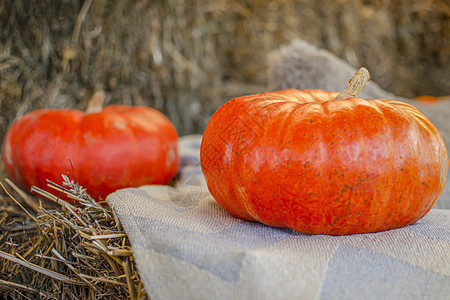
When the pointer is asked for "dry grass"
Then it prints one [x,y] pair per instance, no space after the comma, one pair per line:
[55,250]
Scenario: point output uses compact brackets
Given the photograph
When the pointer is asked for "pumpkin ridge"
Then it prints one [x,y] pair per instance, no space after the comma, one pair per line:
[409,125]
[284,127]
[424,125]
[415,148]
[389,146]
[137,160]
[237,189]
[421,146]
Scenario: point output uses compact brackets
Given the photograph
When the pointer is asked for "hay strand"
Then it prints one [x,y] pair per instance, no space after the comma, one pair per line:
[21,261]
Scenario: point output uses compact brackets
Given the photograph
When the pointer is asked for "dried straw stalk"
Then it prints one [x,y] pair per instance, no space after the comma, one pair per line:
[55,249]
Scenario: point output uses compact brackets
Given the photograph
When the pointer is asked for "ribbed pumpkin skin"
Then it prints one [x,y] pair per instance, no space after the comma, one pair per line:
[298,159]
[119,147]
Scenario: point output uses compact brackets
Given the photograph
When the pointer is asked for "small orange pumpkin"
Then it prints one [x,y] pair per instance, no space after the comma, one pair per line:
[110,148]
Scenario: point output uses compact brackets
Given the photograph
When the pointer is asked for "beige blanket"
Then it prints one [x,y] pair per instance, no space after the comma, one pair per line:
[187,247]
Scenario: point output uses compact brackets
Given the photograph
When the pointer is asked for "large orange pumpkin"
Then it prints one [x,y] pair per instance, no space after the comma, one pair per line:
[303,160]
[109,149]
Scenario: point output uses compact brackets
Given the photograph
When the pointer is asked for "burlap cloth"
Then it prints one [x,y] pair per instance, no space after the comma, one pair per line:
[187,247]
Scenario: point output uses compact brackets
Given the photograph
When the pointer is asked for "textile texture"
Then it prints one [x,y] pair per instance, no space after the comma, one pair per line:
[187,247]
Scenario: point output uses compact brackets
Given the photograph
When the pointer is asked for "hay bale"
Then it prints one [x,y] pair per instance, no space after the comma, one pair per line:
[187,58]
[58,250]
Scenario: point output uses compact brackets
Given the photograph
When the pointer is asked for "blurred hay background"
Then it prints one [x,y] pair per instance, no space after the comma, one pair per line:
[186,57]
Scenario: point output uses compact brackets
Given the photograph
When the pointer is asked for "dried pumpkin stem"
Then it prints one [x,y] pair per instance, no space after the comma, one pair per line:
[96,103]
[355,85]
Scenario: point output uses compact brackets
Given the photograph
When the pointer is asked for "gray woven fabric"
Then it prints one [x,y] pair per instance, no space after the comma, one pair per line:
[187,247]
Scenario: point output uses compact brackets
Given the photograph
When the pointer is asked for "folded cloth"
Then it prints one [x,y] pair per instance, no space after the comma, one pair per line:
[187,247]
